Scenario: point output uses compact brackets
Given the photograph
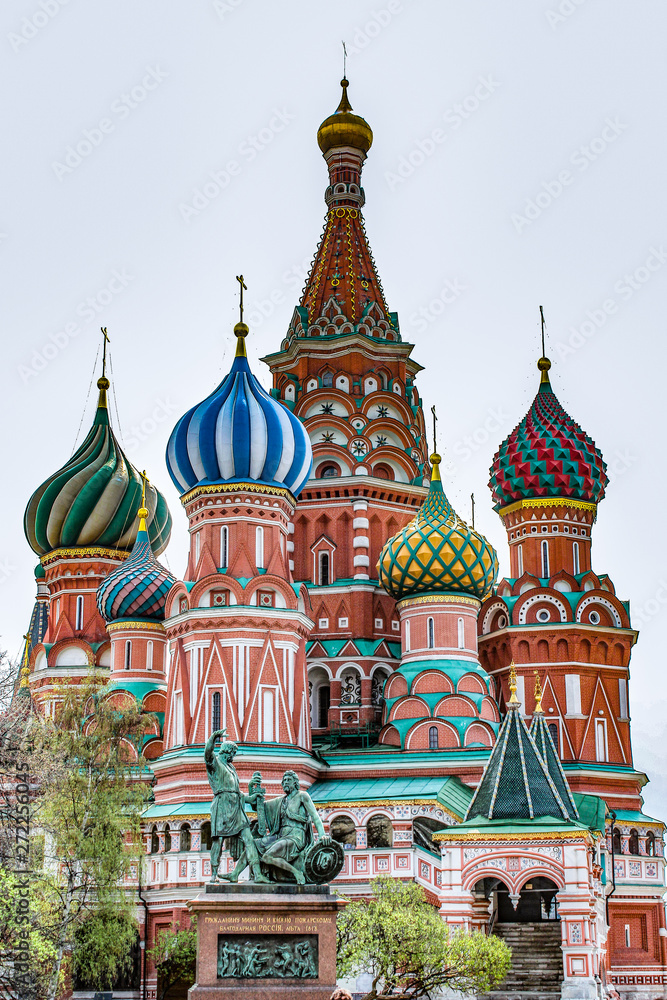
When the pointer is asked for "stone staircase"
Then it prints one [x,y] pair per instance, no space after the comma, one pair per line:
[537,961]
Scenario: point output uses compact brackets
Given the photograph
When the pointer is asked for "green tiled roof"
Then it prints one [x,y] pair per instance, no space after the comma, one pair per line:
[540,733]
[592,811]
[449,792]
[516,783]
[178,809]
[640,818]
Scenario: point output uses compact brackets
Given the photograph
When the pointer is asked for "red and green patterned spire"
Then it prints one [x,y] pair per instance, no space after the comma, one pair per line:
[547,455]
[343,267]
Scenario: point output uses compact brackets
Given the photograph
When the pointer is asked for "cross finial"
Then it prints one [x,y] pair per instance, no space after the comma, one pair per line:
[435,422]
[543,321]
[472,505]
[143,510]
[543,364]
[244,287]
[105,341]
[344,60]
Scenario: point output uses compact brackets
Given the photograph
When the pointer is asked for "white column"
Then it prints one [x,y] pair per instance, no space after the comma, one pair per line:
[361,542]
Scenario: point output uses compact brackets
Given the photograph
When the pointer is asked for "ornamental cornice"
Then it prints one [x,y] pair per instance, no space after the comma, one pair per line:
[511,837]
[135,626]
[547,502]
[85,552]
[407,602]
[238,615]
[203,489]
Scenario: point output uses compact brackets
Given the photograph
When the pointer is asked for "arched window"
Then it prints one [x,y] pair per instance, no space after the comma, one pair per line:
[633,842]
[616,842]
[324,569]
[407,636]
[553,731]
[519,553]
[575,558]
[379,832]
[185,838]
[259,547]
[197,545]
[206,836]
[462,637]
[327,380]
[224,546]
[650,844]
[128,654]
[167,838]
[79,613]
[215,712]
[433,738]
[155,841]
[343,830]
[431,633]
[545,560]
[149,655]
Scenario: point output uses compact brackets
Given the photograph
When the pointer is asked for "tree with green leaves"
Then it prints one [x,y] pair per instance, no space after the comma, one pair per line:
[175,958]
[88,791]
[400,939]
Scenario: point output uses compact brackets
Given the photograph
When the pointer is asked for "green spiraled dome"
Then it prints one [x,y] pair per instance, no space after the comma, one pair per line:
[437,552]
[93,500]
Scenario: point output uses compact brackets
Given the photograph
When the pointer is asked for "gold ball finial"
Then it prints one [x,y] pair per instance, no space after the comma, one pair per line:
[142,512]
[435,458]
[543,364]
[514,701]
[538,694]
[103,383]
[241,330]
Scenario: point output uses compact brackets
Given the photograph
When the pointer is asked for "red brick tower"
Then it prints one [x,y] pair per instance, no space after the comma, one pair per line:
[345,371]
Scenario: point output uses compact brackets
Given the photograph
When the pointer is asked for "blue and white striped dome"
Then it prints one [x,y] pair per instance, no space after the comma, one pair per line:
[239,434]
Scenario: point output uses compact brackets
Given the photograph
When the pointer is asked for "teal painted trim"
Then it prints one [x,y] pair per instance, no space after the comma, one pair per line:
[177,809]
[501,826]
[196,751]
[137,688]
[386,757]
[343,582]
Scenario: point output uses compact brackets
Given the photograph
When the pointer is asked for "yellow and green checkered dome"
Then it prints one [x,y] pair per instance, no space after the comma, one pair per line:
[437,552]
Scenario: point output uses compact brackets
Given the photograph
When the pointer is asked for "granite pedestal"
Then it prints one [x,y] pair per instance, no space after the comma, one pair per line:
[259,942]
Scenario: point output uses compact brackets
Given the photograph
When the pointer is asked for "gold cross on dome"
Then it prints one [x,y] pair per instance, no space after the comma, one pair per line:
[104,350]
[244,287]
[435,421]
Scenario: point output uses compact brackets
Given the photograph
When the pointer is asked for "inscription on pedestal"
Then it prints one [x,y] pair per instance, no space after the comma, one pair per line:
[267,956]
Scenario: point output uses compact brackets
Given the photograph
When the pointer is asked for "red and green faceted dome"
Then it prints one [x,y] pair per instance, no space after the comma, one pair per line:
[547,455]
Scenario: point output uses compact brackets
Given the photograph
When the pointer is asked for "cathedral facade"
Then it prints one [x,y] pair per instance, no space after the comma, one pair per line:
[339,618]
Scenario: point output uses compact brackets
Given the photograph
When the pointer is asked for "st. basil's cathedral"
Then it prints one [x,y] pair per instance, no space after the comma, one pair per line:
[339,618]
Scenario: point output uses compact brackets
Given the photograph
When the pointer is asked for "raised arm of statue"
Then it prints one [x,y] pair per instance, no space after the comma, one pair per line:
[210,743]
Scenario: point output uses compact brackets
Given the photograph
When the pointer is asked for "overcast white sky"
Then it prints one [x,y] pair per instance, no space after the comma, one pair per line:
[545,186]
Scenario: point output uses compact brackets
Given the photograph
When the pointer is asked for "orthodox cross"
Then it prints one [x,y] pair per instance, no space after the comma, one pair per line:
[144,481]
[244,287]
[543,326]
[104,350]
[344,60]
[435,421]
[472,504]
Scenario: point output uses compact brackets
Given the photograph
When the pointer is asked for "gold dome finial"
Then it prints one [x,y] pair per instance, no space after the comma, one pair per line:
[435,458]
[514,701]
[343,128]
[538,695]
[103,382]
[241,329]
[142,513]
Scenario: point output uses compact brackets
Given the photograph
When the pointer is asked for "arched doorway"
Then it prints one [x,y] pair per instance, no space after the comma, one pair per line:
[536,903]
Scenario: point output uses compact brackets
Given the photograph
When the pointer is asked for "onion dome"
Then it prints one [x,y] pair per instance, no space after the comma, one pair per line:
[94,499]
[547,455]
[437,552]
[138,588]
[239,434]
[342,128]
